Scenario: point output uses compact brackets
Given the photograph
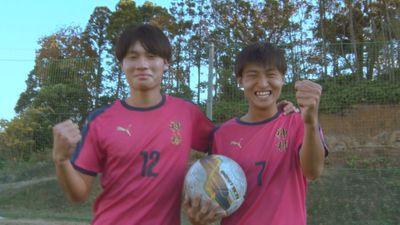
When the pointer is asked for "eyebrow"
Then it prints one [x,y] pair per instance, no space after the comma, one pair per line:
[270,69]
[131,51]
[252,71]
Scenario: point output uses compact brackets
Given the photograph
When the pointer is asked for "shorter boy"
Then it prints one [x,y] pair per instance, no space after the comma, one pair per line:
[277,152]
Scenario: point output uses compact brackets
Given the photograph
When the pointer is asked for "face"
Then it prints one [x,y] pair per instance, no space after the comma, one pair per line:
[262,87]
[143,70]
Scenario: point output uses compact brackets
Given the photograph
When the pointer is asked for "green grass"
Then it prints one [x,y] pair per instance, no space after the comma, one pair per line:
[44,200]
[341,196]
[355,196]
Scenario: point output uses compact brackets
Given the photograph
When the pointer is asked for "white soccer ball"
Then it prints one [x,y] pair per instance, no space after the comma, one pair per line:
[218,178]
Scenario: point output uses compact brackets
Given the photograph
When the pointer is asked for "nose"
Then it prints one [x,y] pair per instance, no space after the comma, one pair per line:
[263,81]
[142,63]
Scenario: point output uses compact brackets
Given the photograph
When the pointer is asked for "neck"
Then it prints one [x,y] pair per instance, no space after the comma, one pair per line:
[253,115]
[144,99]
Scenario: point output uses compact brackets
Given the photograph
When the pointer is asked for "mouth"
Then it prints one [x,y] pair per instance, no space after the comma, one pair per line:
[142,75]
[263,94]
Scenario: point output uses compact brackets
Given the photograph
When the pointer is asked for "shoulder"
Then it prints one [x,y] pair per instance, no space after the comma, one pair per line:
[292,121]
[292,117]
[181,103]
[179,100]
[226,125]
[101,111]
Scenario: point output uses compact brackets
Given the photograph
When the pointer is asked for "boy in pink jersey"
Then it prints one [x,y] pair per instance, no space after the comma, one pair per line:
[139,145]
[277,152]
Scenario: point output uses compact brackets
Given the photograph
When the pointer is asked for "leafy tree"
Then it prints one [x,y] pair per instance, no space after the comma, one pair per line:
[358,34]
[25,135]
[95,34]
[26,98]
[199,12]
[63,71]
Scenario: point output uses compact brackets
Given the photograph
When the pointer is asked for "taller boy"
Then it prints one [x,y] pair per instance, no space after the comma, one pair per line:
[140,144]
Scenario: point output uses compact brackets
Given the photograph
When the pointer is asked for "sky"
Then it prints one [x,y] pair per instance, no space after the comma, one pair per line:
[22,24]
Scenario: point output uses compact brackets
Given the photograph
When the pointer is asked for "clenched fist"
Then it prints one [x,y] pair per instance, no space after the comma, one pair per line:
[66,136]
[308,95]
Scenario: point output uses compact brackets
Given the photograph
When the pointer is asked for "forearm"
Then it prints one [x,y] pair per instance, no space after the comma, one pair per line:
[72,182]
[312,152]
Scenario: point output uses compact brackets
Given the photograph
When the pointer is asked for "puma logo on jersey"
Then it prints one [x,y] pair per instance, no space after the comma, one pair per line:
[237,143]
[125,130]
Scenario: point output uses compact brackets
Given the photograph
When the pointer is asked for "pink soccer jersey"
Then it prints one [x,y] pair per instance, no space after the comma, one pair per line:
[268,152]
[142,155]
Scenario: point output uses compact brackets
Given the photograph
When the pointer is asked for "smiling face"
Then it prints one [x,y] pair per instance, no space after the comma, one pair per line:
[143,70]
[262,88]
[260,69]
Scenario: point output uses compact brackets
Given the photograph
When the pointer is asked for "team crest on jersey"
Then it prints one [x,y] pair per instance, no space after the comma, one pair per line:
[176,137]
[282,145]
[282,142]
[281,133]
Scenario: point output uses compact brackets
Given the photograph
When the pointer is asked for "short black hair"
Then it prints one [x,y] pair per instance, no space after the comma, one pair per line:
[261,53]
[150,37]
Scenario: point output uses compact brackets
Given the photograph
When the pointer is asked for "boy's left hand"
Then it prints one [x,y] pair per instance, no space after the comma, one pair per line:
[308,95]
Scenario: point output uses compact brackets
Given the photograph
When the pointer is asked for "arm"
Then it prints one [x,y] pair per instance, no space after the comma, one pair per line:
[76,185]
[312,150]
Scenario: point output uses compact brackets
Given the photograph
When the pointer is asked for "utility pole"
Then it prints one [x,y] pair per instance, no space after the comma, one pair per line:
[210,86]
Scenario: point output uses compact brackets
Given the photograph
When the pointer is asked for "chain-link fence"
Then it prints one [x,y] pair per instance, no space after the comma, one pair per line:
[359,112]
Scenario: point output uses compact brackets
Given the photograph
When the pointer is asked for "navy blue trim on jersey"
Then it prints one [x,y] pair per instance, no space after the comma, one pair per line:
[326,149]
[84,133]
[126,105]
[87,172]
[210,144]
[260,122]
[323,141]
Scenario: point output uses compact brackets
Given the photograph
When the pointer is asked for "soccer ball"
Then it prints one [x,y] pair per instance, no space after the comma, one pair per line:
[218,178]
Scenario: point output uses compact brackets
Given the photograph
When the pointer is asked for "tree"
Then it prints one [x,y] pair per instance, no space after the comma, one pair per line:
[26,98]
[95,34]
[62,71]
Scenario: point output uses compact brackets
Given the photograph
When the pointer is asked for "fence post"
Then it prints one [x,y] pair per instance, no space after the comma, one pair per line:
[210,82]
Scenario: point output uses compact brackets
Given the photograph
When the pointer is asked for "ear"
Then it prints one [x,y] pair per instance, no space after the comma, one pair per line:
[239,82]
[166,65]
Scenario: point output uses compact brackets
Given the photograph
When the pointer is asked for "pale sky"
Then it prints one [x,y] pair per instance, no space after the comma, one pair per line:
[22,24]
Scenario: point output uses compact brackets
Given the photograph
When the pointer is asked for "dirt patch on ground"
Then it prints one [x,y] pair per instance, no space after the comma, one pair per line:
[21,184]
[365,134]
[364,124]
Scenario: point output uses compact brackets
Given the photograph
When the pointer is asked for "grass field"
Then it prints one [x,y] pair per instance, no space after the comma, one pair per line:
[341,196]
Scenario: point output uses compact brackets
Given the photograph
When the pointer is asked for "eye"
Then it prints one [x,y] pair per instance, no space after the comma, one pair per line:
[251,75]
[131,56]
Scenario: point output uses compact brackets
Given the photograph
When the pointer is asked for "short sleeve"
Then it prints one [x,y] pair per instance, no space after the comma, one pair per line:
[87,157]
[202,128]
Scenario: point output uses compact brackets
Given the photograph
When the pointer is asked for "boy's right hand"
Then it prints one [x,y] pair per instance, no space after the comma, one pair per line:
[202,212]
[66,136]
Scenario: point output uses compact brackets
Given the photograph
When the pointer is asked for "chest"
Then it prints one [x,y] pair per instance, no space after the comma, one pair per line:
[150,140]
[273,147]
